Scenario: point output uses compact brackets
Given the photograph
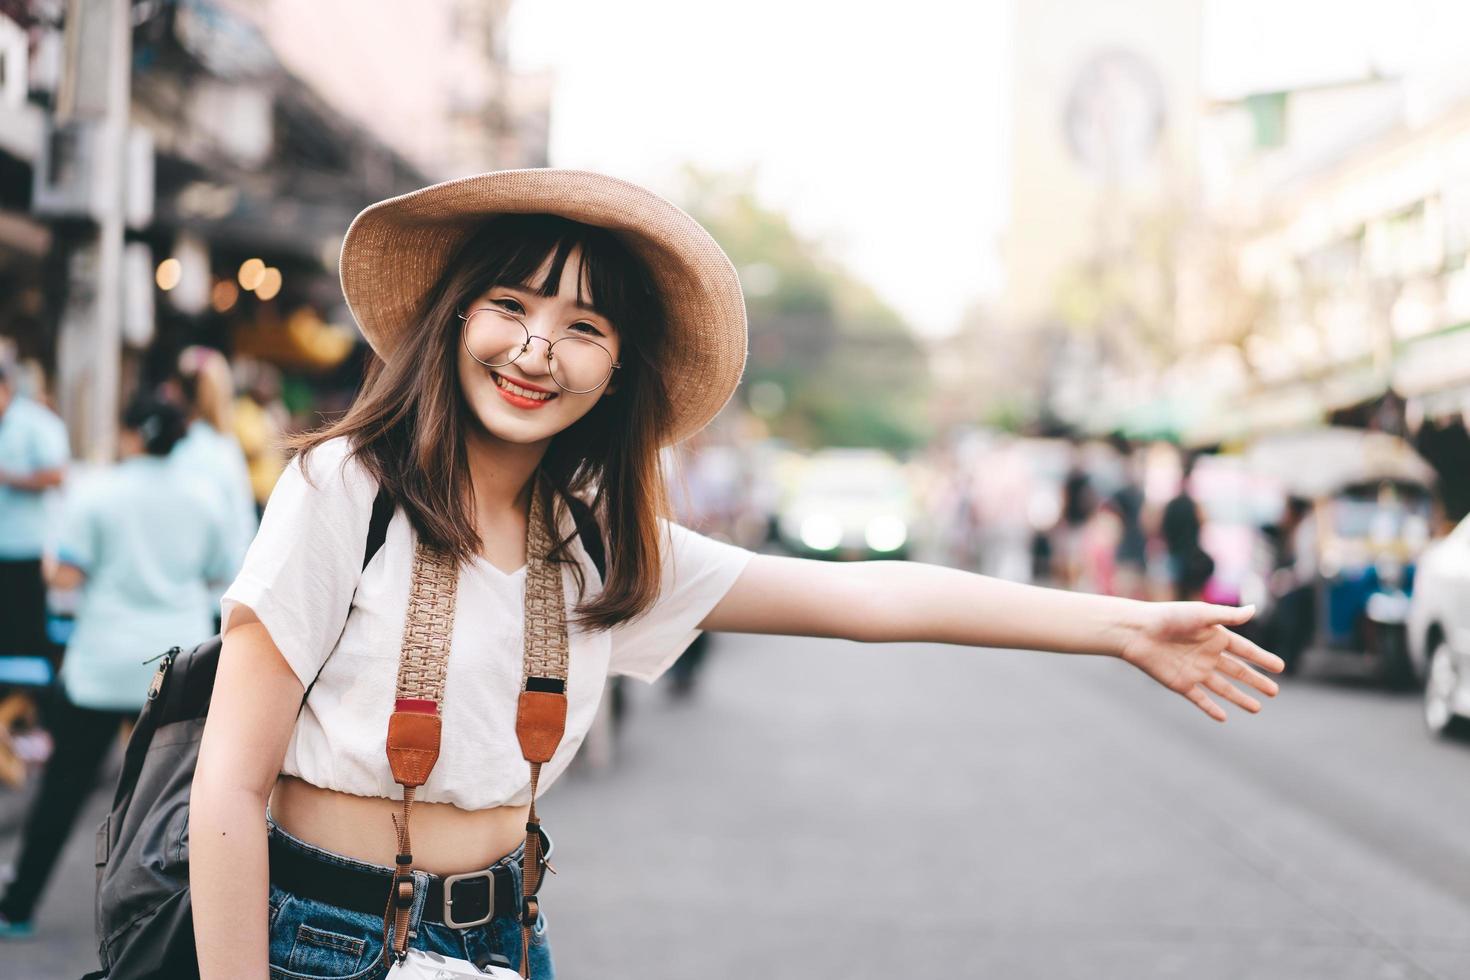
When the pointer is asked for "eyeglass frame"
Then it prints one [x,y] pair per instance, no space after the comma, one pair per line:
[550,346]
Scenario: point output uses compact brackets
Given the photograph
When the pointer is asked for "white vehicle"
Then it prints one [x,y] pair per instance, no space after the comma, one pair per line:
[848,503]
[1439,631]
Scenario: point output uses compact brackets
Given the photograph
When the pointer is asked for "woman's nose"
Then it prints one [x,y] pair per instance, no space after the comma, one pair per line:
[536,359]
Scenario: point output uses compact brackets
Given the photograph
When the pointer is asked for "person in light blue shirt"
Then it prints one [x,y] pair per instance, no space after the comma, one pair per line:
[33,457]
[144,542]
[209,448]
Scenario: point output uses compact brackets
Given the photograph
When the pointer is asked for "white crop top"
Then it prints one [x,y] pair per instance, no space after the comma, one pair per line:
[299,576]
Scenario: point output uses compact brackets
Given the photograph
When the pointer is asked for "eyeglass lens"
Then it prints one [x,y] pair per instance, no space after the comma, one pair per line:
[496,339]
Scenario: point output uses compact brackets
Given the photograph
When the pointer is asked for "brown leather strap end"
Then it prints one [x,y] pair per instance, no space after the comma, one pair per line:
[413,746]
[541,719]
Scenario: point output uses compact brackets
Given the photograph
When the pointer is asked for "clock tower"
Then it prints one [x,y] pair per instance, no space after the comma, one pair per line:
[1105,102]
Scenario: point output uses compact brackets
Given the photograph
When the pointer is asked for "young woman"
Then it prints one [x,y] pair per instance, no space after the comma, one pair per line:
[145,545]
[551,326]
[209,449]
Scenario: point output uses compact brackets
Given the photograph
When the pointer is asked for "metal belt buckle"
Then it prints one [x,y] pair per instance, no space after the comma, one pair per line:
[451,882]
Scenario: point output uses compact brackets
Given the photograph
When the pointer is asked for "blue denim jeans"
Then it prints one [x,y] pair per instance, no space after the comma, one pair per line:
[311,940]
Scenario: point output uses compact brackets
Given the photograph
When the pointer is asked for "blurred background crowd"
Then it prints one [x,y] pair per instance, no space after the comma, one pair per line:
[1184,315]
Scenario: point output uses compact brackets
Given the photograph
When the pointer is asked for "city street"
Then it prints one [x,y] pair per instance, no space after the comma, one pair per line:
[822,809]
[1151,298]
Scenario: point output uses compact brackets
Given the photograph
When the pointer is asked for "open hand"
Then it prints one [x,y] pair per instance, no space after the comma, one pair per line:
[1188,648]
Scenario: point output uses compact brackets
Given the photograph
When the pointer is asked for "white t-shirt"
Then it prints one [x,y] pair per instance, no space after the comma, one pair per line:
[299,576]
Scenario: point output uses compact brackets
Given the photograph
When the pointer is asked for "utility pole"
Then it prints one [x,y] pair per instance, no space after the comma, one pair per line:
[90,133]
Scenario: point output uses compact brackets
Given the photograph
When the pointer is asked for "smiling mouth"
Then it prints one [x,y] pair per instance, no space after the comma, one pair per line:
[511,388]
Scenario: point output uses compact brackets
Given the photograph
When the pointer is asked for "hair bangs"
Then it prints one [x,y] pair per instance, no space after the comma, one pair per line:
[610,279]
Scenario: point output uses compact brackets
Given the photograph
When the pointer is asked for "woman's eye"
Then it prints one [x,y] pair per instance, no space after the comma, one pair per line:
[511,305]
[584,327]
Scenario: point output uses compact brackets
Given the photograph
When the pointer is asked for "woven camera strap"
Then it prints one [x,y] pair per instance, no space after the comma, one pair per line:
[414,727]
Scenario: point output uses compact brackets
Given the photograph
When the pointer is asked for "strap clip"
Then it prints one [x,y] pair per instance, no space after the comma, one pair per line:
[404,890]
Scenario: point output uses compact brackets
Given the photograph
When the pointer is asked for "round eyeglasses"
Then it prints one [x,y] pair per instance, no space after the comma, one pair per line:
[578,365]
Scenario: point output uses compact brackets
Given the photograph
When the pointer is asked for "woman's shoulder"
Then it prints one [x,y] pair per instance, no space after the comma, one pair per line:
[38,416]
[333,469]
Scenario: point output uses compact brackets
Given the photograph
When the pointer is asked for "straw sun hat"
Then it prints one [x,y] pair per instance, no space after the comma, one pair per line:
[396,250]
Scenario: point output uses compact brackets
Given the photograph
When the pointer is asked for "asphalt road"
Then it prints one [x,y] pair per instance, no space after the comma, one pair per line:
[823,809]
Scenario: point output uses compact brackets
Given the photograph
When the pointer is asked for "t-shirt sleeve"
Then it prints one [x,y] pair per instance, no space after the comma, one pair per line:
[301,570]
[697,572]
[52,449]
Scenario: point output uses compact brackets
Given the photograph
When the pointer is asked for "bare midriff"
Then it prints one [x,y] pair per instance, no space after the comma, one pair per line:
[446,839]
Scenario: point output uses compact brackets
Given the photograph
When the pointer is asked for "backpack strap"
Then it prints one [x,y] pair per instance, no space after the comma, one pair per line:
[383,508]
[589,532]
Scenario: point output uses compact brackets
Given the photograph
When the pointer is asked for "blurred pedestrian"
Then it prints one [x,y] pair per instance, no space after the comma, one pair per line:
[1100,536]
[1079,500]
[261,424]
[1293,581]
[1131,553]
[33,455]
[710,491]
[210,449]
[142,541]
[1190,566]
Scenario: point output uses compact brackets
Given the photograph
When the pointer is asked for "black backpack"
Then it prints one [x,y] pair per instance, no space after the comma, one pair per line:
[145,923]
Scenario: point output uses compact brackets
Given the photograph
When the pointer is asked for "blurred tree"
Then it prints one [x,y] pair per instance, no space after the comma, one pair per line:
[851,371]
[1159,297]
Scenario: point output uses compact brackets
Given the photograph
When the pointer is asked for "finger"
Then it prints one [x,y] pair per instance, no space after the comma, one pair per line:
[1205,703]
[1231,693]
[1226,615]
[1231,667]
[1248,651]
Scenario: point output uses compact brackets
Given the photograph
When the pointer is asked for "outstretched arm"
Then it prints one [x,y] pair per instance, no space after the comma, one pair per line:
[1185,646]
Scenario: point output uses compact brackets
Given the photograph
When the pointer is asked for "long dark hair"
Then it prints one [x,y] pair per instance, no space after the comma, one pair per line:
[408,424]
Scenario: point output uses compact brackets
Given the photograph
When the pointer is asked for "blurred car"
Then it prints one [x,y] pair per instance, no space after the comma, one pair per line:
[1439,631]
[848,503]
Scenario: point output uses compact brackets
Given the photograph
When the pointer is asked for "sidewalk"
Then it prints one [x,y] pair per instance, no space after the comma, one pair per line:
[65,945]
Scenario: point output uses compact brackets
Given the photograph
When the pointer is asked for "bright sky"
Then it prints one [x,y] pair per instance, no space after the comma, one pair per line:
[1261,44]
[874,125]
[880,128]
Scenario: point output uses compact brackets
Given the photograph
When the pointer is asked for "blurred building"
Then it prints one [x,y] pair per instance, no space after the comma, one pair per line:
[1105,104]
[1104,177]
[1208,269]
[431,79]
[1348,209]
[24,241]
[250,142]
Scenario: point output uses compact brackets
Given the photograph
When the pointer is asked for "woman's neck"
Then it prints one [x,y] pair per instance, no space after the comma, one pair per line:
[500,472]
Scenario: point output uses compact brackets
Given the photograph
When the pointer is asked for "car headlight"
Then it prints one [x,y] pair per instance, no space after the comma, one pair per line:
[821,532]
[886,533]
